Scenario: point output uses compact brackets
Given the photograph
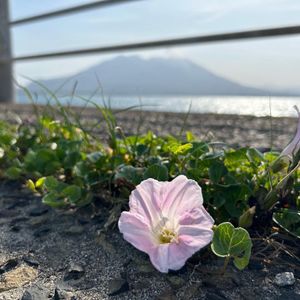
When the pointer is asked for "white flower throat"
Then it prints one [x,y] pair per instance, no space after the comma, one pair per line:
[164,232]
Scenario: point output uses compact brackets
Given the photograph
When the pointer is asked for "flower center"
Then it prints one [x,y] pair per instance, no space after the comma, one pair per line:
[167,236]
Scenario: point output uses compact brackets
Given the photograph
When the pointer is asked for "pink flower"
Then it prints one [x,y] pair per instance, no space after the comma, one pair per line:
[167,220]
[294,146]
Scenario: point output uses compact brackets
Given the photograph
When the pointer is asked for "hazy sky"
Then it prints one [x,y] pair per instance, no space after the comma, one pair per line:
[272,62]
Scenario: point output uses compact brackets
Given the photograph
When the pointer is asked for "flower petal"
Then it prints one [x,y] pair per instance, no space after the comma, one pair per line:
[294,146]
[136,232]
[170,256]
[195,237]
[195,228]
[181,195]
[145,201]
[197,215]
[160,258]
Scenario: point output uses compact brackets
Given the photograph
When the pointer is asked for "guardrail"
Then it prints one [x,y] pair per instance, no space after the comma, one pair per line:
[6,60]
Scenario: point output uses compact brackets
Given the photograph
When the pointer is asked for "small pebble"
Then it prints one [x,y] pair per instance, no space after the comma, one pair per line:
[117,286]
[38,211]
[284,279]
[9,265]
[75,272]
[35,292]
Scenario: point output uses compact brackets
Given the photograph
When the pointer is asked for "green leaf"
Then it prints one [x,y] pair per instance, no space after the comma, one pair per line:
[30,185]
[218,200]
[255,156]
[216,171]
[189,136]
[246,219]
[72,192]
[289,220]
[177,149]
[13,173]
[235,158]
[40,182]
[280,164]
[51,183]
[156,171]
[232,242]
[54,200]
[130,174]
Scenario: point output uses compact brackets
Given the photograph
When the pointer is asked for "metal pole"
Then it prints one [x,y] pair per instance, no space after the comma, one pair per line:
[6,79]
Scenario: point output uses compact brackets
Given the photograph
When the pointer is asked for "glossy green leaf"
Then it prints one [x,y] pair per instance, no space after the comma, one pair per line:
[54,200]
[232,242]
[72,192]
[156,171]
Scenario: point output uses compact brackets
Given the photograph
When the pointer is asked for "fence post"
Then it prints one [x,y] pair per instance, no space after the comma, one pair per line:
[6,79]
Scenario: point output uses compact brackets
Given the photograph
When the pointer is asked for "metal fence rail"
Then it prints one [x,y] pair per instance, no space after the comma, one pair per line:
[74,9]
[262,33]
[6,59]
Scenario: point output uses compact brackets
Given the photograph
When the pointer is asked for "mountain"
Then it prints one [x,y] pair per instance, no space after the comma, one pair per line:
[133,75]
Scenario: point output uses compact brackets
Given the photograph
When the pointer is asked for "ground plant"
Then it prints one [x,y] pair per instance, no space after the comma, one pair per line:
[247,193]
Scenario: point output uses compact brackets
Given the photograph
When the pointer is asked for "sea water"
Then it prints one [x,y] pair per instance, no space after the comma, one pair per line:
[241,105]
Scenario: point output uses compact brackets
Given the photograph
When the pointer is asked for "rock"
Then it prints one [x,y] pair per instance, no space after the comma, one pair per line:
[284,279]
[41,231]
[75,272]
[35,292]
[62,294]
[168,294]
[37,221]
[17,278]
[38,211]
[31,261]
[18,220]
[9,265]
[15,228]
[74,230]
[62,285]
[117,286]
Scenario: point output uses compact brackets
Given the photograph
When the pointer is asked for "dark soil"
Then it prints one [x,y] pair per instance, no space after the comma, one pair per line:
[68,255]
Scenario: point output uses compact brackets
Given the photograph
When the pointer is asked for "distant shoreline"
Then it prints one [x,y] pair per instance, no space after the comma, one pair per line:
[232,129]
[237,105]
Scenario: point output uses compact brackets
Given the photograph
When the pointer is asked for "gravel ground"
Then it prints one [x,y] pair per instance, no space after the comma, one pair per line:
[52,254]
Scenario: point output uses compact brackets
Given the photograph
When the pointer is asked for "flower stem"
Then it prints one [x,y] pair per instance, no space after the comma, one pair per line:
[225,265]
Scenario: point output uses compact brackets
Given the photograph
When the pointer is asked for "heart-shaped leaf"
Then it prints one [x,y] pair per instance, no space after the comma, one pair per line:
[232,242]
